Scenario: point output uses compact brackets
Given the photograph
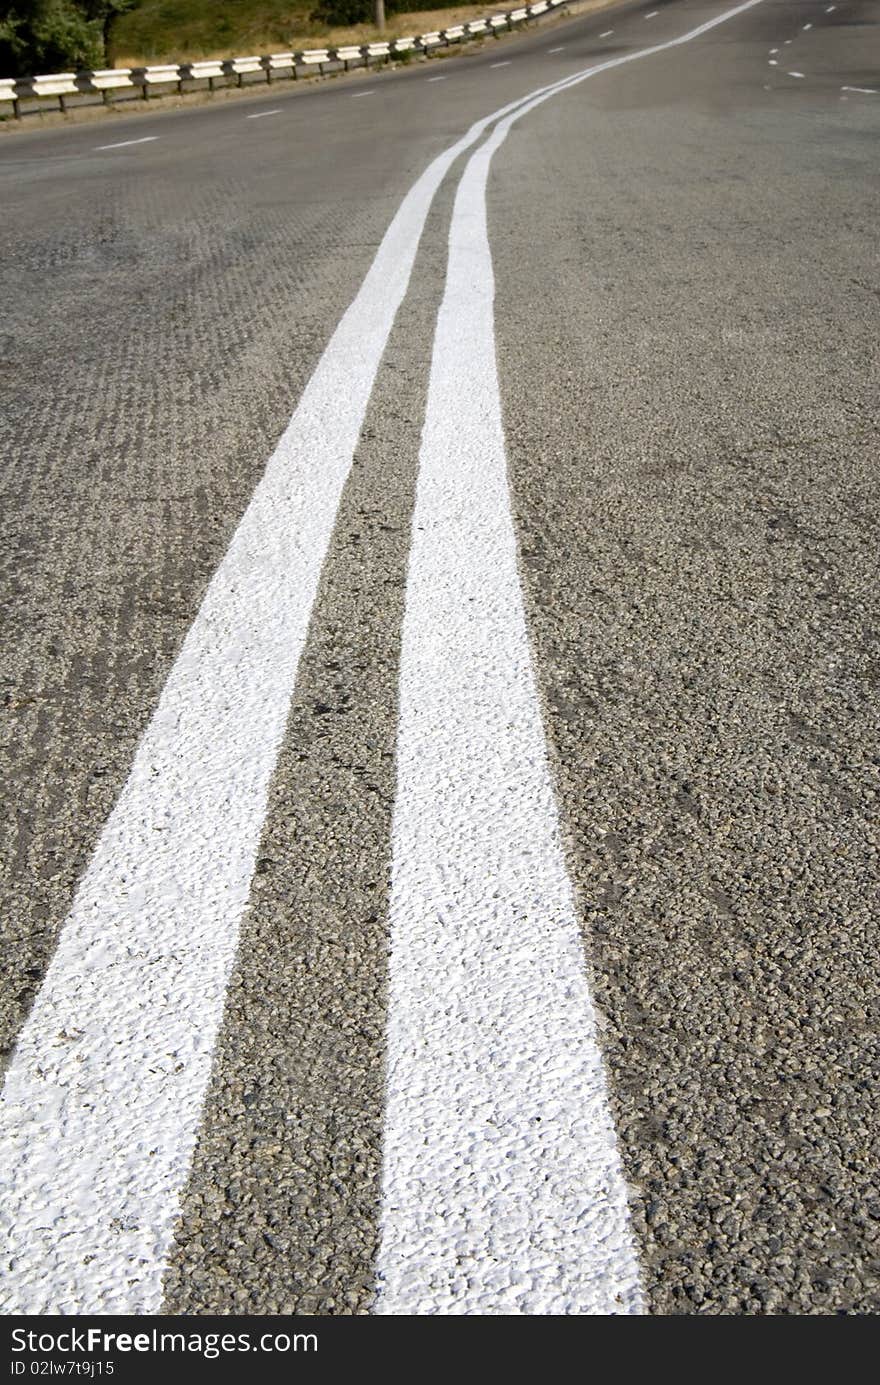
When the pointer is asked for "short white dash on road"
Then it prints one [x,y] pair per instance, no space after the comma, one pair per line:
[124,143]
[504,64]
[502,1189]
[864,91]
[774,50]
[437,79]
[607,33]
[556,50]
[652,14]
[258,115]
[773,62]
[830,9]
[795,74]
[359,94]
[807,26]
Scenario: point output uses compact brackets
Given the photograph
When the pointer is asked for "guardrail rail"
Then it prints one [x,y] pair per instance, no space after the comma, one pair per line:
[69,88]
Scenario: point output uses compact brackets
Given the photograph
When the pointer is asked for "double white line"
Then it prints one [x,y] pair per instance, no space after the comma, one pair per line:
[496,1107]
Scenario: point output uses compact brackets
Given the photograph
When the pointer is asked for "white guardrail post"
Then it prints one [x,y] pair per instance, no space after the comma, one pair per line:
[106,81]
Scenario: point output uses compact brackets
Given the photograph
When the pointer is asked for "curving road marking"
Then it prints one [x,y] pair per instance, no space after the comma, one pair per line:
[502,1186]
[103,1094]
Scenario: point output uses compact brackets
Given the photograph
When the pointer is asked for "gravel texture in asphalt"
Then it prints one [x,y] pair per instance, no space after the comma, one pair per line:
[687,277]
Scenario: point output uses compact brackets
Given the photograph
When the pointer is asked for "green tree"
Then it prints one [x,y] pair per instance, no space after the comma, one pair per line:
[104,13]
[56,35]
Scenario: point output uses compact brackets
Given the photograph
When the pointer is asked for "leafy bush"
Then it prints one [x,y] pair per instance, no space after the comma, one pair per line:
[53,35]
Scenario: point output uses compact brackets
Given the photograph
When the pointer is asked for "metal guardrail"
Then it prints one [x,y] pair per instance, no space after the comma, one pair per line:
[242,71]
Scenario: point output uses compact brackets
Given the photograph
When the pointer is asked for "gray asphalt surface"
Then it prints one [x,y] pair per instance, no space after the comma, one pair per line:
[686,265]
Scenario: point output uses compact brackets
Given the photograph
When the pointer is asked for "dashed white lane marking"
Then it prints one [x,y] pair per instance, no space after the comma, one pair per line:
[807,26]
[653,14]
[556,50]
[437,79]
[124,143]
[865,91]
[607,33]
[795,74]
[258,115]
[502,1188]
[359,94]
[504,64]
[103,1095]
[104,1091]
[774,50]
[830,9]
[773,63]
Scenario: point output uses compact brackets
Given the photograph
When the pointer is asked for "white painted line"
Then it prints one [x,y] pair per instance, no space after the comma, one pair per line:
[556,50]
[437,79]
[260,114]
[97,1128]
[504,64]
[653,14]
[359,94]
[774,50]
[807,26]
[830,9]
[607,33]
[502,1188]
[787,42]
[795,74]
[123,144]
[864,91]
[103,1093]
[773,62]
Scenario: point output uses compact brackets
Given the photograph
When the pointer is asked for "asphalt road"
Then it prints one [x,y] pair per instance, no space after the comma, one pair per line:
[686,279]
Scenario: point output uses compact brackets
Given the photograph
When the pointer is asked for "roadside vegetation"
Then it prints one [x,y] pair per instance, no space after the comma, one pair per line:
[177,30]
[43,35]
[63,35]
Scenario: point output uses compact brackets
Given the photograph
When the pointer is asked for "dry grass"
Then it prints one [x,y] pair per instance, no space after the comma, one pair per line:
[189,42]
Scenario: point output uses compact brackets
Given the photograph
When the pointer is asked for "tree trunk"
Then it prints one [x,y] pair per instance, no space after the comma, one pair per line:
[106,26]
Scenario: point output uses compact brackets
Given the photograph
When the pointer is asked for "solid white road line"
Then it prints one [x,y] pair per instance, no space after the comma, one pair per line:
[502,1191]
[864,91]
[502,1186]
[260,114]
[124,144]
[104,1091]
[103,1095]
